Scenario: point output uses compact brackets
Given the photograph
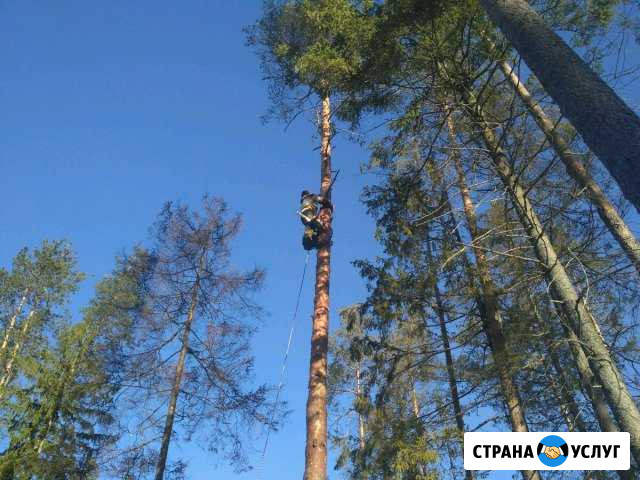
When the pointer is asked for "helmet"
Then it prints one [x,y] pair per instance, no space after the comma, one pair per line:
[305,193]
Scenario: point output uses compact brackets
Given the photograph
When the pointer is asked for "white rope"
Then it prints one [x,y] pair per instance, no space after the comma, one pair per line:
[260,469]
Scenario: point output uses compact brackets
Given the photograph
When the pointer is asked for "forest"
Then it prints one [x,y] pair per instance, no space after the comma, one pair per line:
[495,148]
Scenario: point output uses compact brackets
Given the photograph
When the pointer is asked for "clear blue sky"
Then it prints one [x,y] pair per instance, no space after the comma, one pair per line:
[111,108]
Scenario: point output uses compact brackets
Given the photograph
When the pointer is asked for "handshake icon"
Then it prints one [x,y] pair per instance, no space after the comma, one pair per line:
[552,452]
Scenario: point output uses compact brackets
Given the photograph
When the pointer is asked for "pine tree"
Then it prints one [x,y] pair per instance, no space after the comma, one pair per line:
[307,48]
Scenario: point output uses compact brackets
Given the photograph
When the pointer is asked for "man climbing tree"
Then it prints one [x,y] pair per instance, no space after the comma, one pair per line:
[310,46]
[315,233]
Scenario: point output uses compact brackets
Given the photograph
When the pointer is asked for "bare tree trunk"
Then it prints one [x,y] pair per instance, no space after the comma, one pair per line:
[607,125]
[446,345]
[574,166]
[568,405]
[587,379]
[316,446]
[414,401]
[175,389]
[490,308]
[562,290]
[8,368]
[590,384]
[12,324]
[361,431]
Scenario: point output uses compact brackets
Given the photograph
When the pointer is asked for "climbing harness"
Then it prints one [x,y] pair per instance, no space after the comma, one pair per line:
[284,366]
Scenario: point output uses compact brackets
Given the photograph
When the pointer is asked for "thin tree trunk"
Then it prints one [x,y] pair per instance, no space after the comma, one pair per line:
[568,405]
[67,378]
[490,309]
[419,425]
[446,345]
[361,431]
[175,389]
[606,123]
[316,444]
[562,290]
[574,166]
[8,368]
[589,383]
[414,401]
[12,324]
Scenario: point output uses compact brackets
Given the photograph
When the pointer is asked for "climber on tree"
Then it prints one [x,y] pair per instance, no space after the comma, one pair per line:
[313,227]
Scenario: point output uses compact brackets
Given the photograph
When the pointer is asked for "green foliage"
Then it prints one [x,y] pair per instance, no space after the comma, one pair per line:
[314,44]
[57,408]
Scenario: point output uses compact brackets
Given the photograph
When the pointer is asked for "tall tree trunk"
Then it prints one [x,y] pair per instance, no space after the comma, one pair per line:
[175,389]
[12,324]
[562,289]
[490,308]
[415,406]
[316,447]
[446,345]
[588,382]
[608,126]
[574,166]
[361,431]
[7,375]
[414,401]
[564,396]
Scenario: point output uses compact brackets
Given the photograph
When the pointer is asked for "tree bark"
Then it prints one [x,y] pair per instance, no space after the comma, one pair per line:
[361,431]
[576,169]
[564,396]
[446,346]
[451,373]
[588,382]
[8,368]
[316,443]
[175,389]
[12,324]
[490,308]
[562,290]
[606,123]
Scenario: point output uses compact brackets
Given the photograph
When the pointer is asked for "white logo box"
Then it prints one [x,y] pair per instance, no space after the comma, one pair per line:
[586,451]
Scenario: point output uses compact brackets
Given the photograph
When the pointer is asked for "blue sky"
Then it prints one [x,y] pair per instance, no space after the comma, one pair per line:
[111,108]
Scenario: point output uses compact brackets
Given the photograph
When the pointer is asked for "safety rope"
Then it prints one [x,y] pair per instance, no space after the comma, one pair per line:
[284,366]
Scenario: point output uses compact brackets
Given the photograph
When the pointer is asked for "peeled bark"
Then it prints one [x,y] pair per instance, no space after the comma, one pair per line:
[606,123]
[316,445]
[490,310]
[574,166]
[562,289]
[175,389]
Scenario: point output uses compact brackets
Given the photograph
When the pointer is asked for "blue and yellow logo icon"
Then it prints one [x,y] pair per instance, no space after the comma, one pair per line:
[553,451]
